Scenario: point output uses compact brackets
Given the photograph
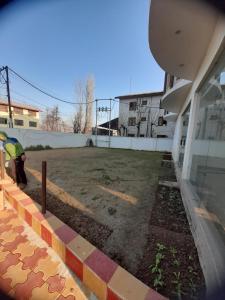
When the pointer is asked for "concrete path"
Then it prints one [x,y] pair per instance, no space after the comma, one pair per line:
[29,268]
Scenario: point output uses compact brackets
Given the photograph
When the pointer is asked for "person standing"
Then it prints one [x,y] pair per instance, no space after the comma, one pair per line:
[15,153]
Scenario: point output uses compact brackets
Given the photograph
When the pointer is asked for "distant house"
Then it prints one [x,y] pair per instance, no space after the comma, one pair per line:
[24,116]
[141,115]
[103,129]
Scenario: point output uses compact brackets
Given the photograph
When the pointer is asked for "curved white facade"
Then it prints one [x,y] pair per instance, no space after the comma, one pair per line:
[174,99]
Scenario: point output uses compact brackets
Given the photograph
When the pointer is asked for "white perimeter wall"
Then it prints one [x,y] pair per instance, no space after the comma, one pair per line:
[148,144]
[28,137]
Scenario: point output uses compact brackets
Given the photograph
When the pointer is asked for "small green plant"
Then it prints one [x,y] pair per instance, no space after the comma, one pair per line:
[83,192]
[193,289]
[158,281]
[96,197]
[176,262]
[173,251]
[106,179]
[178,285]
[38,148]
[160,247]
[190,257]
[156,268]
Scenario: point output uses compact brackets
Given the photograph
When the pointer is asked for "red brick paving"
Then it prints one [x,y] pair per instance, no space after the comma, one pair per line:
[56,283]
[10,246]
[11,259]
[70,297]
[5,228]
[31,262]
[5,284]
[24,290]
[21,283]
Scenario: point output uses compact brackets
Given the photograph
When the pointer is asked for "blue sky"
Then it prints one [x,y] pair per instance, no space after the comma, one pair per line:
[56,43]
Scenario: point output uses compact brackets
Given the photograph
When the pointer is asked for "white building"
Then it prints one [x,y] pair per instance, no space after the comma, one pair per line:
[140,115]
[187,39]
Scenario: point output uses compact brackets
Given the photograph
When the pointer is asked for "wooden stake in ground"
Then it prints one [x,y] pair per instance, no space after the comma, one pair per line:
[43,192]
[2,164]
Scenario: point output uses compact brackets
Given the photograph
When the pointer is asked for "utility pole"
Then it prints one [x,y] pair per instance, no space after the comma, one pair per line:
[110,122]
[96,123]
[8,96]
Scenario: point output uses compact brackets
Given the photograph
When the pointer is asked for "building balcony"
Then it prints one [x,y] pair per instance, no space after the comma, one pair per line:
[179,34]
[174,98]
[170,117]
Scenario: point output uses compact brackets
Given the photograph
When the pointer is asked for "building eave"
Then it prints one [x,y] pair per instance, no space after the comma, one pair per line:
[179,34]
[141,95]
[20,105]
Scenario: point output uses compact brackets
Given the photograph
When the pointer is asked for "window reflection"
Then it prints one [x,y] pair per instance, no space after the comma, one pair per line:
[208,148]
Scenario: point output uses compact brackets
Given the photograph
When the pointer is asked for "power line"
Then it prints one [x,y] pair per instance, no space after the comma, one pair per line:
[44,92]
[28,98]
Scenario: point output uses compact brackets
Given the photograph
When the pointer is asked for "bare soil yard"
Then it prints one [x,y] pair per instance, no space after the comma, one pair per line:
[104,194]
[112,197]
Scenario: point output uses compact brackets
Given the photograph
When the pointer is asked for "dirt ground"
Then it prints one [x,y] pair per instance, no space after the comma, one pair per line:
[106,195]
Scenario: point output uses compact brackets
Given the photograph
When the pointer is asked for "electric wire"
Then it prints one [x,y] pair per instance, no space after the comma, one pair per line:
[44,92]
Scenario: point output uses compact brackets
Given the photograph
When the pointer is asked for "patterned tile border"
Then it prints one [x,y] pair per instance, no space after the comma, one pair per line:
[98,272]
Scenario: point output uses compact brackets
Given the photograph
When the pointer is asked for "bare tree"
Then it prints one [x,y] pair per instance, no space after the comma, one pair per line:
[89,97]
[141,111]
[123,123]
[78,119]
[52,120]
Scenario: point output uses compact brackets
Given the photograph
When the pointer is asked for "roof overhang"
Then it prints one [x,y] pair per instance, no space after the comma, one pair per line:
[140,95]
[174,99]
[179,34]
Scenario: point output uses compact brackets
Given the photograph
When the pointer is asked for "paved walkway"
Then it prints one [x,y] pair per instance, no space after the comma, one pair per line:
[29,268]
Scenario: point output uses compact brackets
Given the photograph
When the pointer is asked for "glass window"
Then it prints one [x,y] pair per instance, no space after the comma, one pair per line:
[144,102]
[18,122]
[3,120]
[32,124]
[208,148]
[132,105]
[132,121]
[143,119]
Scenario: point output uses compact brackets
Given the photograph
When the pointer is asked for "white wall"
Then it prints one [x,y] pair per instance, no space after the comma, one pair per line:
[147,144]
[28,137]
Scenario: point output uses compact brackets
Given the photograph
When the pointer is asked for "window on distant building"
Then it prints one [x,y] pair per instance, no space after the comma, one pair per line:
[142,135]
[3,120]
[4,108]
[32,124]
[132,121]
[130,135]
[32,113]
[144,102]
[18,111]
[132,105]
[143,119]
[18,122]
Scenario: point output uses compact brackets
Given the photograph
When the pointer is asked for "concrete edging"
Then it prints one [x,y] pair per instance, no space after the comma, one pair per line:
[96,270]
